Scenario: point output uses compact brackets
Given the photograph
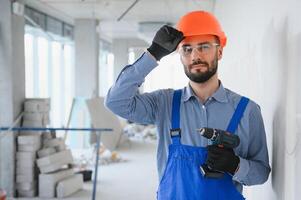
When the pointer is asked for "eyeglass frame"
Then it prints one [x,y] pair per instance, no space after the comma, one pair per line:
[212,44]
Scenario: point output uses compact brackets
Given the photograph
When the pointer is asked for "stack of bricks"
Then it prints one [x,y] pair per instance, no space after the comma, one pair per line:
[57,178]
[45,171]
[36,114]
[26,169]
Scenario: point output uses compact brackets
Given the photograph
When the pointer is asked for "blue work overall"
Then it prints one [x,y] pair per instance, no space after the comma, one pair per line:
[182,179]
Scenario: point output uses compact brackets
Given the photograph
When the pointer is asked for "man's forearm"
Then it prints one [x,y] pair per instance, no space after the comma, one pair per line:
[122,93]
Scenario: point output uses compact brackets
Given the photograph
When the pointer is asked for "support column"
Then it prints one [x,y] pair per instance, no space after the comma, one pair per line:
[12,88]
[86,57]
[120,50]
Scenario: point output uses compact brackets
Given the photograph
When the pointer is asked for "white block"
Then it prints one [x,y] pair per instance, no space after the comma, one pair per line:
[43,100]
[25,164]
[52,168]
[29,139]
[46,135]
[64,157]
[54,142]
[60,148]
[48,182]
[21,170]
[29,148]
[27,186]
[46,119]
[69,186]
[37,105]
[33,116]
[46,152]
[22,133]
[27,123]
[26,155]
[25,178]
[27,193]
[38,117]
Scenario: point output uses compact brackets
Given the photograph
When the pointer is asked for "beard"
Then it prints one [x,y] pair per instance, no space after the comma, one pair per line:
[201,77]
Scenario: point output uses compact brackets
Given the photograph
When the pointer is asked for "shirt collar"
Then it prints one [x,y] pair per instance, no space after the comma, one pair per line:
[219,95]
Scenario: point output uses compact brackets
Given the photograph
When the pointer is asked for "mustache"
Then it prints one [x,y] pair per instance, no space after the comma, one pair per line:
[198,62]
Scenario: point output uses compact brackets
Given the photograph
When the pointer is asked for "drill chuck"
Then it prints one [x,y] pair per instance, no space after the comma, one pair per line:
[220,137]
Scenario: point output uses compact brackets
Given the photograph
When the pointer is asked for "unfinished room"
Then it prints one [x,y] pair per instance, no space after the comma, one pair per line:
[150,99]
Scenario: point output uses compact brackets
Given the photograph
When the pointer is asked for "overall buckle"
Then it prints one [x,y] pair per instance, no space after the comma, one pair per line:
[175,132]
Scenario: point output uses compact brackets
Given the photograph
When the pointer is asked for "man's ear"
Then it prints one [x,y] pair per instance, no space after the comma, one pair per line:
[220,53]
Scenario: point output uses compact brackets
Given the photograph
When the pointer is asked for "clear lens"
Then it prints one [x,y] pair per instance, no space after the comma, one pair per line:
[204,48]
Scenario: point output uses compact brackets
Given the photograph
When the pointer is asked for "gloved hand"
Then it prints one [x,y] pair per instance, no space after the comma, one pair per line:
[165,41]
[222,159]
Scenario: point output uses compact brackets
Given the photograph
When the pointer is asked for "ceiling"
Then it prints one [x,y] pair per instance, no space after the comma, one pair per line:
[142,19]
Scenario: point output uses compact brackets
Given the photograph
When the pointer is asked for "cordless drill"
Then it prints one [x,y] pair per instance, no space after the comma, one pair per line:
[222,139]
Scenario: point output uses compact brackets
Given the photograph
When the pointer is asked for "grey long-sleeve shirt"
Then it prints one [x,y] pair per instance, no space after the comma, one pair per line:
[155,108]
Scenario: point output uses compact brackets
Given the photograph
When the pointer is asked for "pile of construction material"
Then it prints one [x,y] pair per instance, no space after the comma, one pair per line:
[36,114]
[57,178]
[26,169]
[44,165]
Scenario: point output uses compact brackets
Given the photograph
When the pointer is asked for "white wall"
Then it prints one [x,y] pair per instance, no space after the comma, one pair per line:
[262,61]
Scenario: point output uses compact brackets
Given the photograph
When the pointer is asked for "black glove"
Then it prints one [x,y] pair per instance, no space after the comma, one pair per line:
[222,159]
[165,41]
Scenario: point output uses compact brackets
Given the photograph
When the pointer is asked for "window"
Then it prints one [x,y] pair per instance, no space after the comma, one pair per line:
[29,72]
[169,74]
[49,71]
[42,67]
[56,83]
[106,67]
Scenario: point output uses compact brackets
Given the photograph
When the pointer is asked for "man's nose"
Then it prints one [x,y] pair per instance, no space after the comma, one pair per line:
[196,54]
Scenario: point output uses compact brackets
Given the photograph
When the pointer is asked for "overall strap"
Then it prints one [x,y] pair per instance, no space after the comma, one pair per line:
[175,131]
[237,114]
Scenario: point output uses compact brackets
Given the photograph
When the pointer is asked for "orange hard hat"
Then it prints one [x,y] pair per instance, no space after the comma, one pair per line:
[201,23]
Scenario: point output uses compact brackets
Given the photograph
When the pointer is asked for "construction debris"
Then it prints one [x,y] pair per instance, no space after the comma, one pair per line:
[69,185]
[26,170]
[36,114]
[43,163]
[48,182]
[55,164]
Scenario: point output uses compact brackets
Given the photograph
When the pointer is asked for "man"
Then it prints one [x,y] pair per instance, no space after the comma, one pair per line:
[199,40]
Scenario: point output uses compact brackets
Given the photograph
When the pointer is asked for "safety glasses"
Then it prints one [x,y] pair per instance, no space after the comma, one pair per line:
[203,48]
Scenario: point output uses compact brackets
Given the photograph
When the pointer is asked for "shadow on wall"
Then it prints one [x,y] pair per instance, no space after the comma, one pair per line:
[275,82]
[297,44]
[285,50]
[278,151]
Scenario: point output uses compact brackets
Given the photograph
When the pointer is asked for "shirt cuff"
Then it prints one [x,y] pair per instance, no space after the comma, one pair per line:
[151,55]
[243,170]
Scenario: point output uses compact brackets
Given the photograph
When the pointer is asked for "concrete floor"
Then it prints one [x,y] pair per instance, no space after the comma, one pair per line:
[135,179]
